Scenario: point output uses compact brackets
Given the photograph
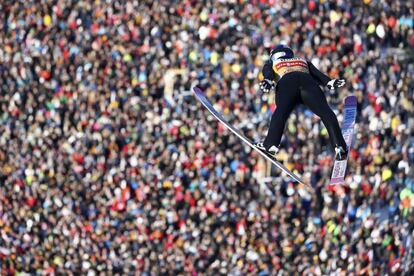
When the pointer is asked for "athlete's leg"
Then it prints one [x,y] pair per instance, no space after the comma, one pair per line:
[287,97]
[313,97]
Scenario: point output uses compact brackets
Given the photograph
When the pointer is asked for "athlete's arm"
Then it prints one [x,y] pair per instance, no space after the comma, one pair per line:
[269,77]
[267,71]
[318,75]
[324,79]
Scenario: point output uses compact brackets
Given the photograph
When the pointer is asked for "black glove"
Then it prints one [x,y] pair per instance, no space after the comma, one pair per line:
[266,85]
[333,84]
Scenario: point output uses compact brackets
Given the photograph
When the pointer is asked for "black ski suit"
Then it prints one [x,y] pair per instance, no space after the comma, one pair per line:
[298,82]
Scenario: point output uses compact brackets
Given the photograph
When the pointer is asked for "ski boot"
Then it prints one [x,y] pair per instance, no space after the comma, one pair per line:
[341,153]
[272,151]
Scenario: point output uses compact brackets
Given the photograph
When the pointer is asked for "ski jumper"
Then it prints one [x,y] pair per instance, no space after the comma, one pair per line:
[298,82]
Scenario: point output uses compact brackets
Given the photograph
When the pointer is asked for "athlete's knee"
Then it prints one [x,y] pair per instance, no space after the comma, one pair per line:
[284,109]
[281,114]
[327,115]
[331,115]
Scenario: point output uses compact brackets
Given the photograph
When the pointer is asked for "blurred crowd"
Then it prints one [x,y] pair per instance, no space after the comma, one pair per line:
[108,164]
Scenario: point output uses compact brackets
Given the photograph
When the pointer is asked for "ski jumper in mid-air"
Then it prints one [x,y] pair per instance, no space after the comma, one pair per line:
[297,82]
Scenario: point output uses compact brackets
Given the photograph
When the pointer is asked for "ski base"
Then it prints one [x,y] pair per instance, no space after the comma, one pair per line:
[339,168]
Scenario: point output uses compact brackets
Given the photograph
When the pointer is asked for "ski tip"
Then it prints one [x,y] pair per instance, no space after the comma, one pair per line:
[197,90]
[350,100]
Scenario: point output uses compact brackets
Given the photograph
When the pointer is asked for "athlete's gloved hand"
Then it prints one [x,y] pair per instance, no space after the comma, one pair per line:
[266,85]
[334,84]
